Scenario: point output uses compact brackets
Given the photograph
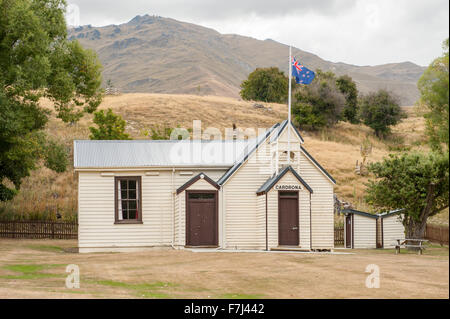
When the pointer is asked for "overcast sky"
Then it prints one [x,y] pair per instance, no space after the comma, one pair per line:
[362,32]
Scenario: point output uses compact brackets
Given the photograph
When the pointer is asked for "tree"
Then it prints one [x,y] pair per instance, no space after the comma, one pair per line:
[110,126]
[265,84]
[37,60]
[434,86]
[347,86]
[320,103]
[416,182]
[379,111]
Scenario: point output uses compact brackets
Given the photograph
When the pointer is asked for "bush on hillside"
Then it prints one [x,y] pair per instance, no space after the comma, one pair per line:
[319,104]
[347,87]
[111,126]
[265,84]
[380,110]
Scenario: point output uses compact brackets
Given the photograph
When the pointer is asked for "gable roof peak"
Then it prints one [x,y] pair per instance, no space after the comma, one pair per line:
[267,186]
[282,126]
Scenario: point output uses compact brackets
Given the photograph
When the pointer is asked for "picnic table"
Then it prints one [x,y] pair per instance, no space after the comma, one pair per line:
[410,243]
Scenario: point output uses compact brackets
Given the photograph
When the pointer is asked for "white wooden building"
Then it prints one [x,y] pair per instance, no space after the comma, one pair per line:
[229,194]
[392,228]
[365,230]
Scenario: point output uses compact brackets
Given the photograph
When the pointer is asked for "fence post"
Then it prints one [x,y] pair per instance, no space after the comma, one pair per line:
[53,230]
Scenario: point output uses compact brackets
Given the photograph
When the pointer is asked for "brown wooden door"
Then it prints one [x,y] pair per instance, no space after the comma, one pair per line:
[201,218]
[348,231]
[288,221]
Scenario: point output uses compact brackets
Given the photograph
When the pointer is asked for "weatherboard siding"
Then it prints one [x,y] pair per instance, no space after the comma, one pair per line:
[96,210]
[241,217]
[364,232]
[261,219]
[321,204]
[393,229]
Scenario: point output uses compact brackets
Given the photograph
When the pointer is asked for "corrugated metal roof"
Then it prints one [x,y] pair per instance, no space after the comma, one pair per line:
[148,153]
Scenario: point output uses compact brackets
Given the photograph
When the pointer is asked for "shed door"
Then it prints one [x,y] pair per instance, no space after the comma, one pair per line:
[201,218]
[348,231]
[288,221]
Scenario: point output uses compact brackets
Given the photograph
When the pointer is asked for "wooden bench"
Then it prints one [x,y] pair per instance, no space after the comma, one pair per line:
[410,243]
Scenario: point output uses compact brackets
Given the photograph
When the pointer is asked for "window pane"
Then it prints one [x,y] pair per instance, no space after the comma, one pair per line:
[132,184]
[124,205]
[201,195]
[124,209]
[123,194]
[123,184]
[132,204]
[288,194]
[132,214]
[132,194]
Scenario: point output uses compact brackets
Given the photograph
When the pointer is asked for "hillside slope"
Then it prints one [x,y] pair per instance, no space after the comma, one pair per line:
[336,149]
[163,55]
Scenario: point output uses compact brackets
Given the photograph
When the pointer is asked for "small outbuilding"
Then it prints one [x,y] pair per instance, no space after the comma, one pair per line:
[391,228]
[360,230]
[365,230]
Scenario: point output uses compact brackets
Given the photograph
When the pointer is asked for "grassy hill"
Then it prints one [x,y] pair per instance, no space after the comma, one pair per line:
[162,55]
[336,149]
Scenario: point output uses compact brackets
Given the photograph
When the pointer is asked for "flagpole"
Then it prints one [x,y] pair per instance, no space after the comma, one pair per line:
[289,102]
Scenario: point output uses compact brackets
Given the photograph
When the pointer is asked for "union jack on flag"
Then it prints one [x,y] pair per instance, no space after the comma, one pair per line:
[302,74]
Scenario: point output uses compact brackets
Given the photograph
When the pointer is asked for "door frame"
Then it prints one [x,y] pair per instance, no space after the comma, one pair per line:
[350,216]
[297,197]
[216,212]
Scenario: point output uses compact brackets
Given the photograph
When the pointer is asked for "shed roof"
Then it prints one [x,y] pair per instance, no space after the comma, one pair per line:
[392,212]
[267,186]
[357,212]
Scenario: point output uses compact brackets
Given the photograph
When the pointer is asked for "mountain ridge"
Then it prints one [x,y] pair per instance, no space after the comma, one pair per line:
[162,55]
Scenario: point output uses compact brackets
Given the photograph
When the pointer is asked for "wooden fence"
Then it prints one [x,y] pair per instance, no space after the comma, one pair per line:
[437,234]
[69,230]
[339,236]
[38,229]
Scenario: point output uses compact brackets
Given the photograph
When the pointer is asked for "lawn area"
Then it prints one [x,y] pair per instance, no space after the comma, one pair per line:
[36,269]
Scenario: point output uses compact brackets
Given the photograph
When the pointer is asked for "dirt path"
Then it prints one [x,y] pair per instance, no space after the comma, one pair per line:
[36,269]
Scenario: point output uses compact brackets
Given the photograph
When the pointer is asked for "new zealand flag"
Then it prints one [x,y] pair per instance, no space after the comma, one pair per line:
[301,73]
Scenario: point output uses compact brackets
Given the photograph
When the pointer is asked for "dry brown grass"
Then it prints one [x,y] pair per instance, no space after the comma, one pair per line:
[336,149]
[36,269]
